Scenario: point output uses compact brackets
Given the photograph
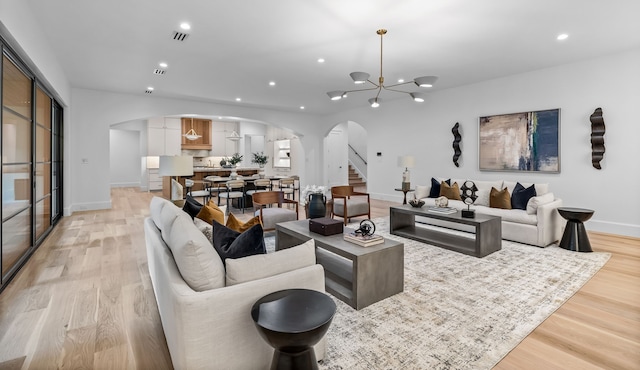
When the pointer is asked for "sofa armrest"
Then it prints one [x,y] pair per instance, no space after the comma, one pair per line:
[549,223]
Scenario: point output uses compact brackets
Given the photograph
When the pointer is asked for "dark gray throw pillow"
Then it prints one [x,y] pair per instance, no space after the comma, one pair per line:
[521,195]
[435,187]
[192,206]
[232,244]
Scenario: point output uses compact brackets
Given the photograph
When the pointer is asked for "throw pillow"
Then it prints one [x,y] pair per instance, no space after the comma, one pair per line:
[482,197]
[234,224]
[435,187]
[210,212]
[521,195]
[191,206]
[537,201]
[450,191]
[261,266]
[204,227]
[499,198]
[232,244]
[421,192]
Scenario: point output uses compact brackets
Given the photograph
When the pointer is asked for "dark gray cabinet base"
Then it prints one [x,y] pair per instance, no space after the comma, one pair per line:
[488,230]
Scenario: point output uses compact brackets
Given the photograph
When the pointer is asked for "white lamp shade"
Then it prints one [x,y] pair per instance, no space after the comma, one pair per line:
[176,165]
[407,161]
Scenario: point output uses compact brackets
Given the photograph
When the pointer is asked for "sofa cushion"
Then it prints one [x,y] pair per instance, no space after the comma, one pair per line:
[155,208]
[191,206]
[521,195]
[487,185]
[421,191]
[537,201]
[232,244]
[256,267]
[275,215]
[482,197]
[234,224]
[510,215]
[356,206]
[450,191]
[198,263]
[210,212]
[435,187]
[499,199]
[168,215]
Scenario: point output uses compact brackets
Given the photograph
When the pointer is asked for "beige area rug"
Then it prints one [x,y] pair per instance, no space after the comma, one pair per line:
[457,311]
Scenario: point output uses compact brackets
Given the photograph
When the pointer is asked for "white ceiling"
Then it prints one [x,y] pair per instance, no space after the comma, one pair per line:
[236,47]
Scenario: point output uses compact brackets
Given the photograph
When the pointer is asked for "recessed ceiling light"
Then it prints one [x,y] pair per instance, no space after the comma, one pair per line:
[219,117]
[150,88]
[185,26]
[163,64]
[302,107]
[320,60]
[238,99]
[272,83]
[562,36]
[400,80]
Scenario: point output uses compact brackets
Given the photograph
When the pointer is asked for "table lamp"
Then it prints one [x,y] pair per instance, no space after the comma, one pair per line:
[406,161]
[172,166]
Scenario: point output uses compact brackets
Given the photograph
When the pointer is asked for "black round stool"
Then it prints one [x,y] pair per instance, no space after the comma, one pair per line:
[292,321]
[575,235]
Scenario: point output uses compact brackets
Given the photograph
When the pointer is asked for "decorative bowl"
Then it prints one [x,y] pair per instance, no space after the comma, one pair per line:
[416,203]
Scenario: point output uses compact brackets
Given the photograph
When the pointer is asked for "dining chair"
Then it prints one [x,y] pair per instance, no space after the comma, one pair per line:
[234,189]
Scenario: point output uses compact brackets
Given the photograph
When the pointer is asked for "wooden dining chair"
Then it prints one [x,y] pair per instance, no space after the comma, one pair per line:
[267,206]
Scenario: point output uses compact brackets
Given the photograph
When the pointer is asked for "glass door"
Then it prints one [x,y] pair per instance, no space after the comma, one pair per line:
[42,163]
[16,165]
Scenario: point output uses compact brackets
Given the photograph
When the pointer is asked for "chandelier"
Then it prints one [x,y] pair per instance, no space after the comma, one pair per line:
[363,77]
[191,134]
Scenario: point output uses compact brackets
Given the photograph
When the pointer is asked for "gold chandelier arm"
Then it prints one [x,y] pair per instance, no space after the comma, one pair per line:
[369,89]
[399,84]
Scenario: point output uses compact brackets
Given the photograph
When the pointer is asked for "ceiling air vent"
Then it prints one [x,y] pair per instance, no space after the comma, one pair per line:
[148,91]
[180,36]
[159,71]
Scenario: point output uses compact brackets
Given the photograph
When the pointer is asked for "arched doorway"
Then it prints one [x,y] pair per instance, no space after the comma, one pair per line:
[346,155]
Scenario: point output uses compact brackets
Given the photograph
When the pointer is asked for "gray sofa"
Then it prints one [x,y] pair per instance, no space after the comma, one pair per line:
[540,224]
[205,308]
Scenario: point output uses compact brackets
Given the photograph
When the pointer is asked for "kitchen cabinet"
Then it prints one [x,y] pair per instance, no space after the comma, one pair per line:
[163,136]
[201,127]
[221,146]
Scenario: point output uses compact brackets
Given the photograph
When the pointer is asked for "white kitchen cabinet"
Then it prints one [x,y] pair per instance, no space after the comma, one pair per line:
[163,136]
[221,146]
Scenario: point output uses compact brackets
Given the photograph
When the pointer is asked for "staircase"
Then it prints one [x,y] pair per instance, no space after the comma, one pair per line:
[354,179]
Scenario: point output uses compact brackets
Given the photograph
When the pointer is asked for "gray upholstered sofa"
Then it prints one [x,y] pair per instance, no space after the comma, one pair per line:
[205,308]
[540,224]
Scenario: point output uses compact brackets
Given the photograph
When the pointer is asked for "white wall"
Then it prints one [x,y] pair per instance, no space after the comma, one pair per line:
[577,89]
[93,113]
[124,158]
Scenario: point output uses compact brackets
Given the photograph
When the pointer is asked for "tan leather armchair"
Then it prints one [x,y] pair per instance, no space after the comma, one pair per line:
[264,205]
[348,203]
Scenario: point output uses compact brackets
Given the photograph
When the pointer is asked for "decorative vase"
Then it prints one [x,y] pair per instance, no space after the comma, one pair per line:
[317,204]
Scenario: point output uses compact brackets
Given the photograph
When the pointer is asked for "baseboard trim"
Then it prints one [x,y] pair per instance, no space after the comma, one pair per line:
[90,206]
[613,228]
[125,184]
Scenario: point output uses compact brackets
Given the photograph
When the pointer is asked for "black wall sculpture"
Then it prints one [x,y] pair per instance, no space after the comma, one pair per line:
[597,138]
[456,143]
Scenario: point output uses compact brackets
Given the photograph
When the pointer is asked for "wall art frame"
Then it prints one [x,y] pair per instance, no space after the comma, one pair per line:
[520,142]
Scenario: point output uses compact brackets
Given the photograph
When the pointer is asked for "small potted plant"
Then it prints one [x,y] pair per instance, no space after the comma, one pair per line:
[260,159]
[223,162]
[235,159]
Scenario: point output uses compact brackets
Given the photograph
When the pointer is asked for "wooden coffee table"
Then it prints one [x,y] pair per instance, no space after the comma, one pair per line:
[488,230]
[358,276]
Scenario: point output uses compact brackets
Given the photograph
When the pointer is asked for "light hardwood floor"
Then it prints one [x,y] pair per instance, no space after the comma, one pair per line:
[84,300]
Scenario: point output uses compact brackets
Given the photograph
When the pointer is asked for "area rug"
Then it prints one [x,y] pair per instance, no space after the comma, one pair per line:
[457,311]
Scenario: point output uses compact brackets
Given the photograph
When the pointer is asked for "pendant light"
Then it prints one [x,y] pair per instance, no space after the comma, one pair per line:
[191,134]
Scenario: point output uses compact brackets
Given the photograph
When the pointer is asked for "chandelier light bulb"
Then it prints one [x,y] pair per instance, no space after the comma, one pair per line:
[375,102]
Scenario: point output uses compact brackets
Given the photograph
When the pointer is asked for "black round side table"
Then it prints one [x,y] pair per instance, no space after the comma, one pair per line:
[292,321]
[575,235]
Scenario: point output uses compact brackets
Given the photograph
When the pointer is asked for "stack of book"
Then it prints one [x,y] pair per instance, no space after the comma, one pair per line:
[363,241]
[443,210]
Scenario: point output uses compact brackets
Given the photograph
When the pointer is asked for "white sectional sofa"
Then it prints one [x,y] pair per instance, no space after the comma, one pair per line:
[540,224]
[205,308]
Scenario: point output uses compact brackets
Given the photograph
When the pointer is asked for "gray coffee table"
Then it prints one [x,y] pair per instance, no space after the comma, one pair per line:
[358,276]
[488,230]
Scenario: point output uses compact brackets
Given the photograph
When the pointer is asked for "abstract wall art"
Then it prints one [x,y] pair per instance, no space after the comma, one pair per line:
[597,138]
[527,141]
[457,138]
